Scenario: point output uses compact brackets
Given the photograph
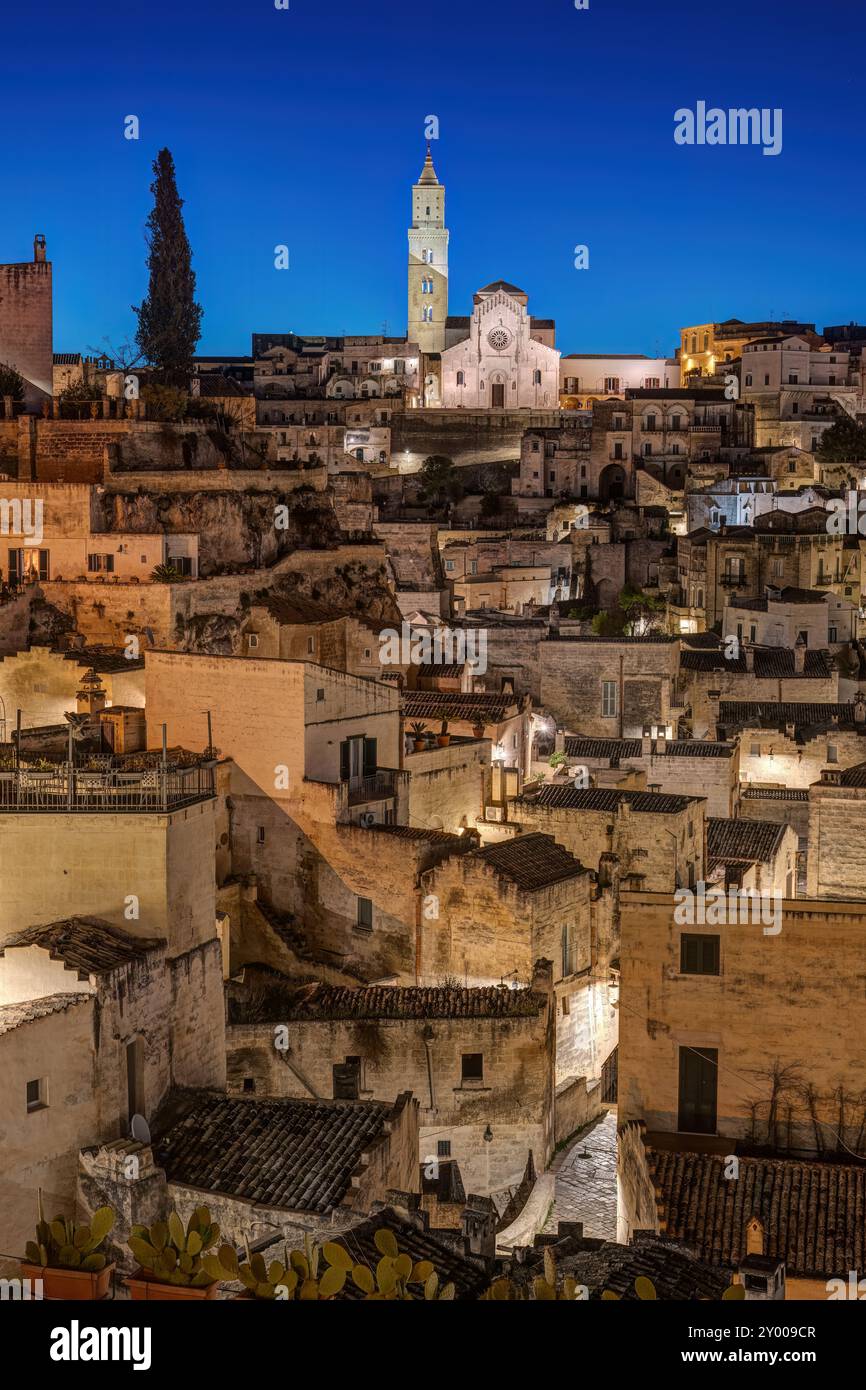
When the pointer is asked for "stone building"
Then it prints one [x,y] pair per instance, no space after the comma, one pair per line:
[837,816]
[788,745]
[611,687]
[504,361]
[96,1025]
[709,677]
[586,377]
[428,262]
[664,852]
[479,1061]
[26,323]
[675,767]
[753,854]
[706,347]
[731,1051]
[786,616]
[799,387]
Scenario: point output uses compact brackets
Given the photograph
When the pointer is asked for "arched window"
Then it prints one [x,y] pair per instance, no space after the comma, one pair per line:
[536,376]
[461,379]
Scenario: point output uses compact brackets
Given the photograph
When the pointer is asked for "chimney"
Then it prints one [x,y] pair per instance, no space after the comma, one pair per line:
[661,743]
[799,656]
[859,708]
[646,744]
[39,247]
[749,654]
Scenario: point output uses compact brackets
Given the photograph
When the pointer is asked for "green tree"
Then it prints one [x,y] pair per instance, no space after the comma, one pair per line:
[844,442]
[642,611]
[11,384]
[438,477]
[75,400]
[169,320]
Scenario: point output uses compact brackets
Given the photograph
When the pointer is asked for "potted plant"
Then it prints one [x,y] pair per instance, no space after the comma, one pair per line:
[68,1258]
[419,733]
[171,1258]
[478,729]
[443,738]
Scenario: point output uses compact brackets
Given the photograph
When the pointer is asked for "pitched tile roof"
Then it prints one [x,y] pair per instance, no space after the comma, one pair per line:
[87,945]
[698,748]
[417,832]
[814,1214]
[611,748]
[531,861]
[773,794]
[316,1002]
[435,704]
[675,1271]
[853,776]
[298,1155]
[467,1273]
[776,714]
[14,1016]
[743,841]
[608,799]
[770,663]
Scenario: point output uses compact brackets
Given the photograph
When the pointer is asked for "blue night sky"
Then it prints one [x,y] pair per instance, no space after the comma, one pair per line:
[305,127]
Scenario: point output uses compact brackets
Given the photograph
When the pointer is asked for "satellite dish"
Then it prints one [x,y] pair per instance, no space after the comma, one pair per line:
[140,1129]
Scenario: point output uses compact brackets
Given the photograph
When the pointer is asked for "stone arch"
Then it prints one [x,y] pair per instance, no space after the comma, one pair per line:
[611,482]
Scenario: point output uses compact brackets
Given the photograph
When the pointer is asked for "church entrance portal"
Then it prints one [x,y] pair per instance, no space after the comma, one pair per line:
[497,395]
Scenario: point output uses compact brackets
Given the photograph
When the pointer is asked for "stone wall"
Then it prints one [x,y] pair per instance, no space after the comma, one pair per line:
[515,1097]
[450,786]
[466,436]
[644,672]
[656,845]
[576,1105]
[787,972]
[26,326]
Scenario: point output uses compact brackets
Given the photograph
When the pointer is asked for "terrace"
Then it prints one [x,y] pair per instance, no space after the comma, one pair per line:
[112,788]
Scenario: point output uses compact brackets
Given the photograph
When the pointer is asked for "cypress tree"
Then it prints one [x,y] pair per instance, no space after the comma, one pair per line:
[169,320]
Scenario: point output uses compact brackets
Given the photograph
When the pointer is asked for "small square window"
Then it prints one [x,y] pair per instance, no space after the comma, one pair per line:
[37,1095]
[249,1085]
[443,1148]
[472,1066]
[252,640]
[699,955]
[320,695]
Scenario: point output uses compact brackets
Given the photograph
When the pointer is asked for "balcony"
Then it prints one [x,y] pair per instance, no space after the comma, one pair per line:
[379,786]
[111,792]
[732,581]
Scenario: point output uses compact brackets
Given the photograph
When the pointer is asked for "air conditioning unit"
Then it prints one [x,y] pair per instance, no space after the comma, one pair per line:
[495,813]
[368,818]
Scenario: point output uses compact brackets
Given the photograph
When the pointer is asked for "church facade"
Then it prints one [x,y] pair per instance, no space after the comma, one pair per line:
[498,358]
[503,363]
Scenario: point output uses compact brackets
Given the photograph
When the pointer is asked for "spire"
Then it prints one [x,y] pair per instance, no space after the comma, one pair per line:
[428,173]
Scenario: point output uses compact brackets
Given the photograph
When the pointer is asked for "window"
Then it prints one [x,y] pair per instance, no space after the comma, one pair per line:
[260,837]
[748,378]
[536,377]
[706,341]
[677,422]
[831,635]
[368,653]
[443,1148]
[472,1066]
[346,1079]
[699,955]
[365,914]
[832,753]
[566,1005]
[779,568]
[252,640]
[100,564]
[697,1090]
[754,750]
[652,383]
[650,423]
[461,381]
[37,1095]
[567,948]
[320,695]
[608,699]
[611,383]
[249,1085]
[311,645]
[449,564]
[766,379]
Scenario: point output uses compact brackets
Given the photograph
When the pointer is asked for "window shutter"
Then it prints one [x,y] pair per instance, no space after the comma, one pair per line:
[369,756]
[344,760]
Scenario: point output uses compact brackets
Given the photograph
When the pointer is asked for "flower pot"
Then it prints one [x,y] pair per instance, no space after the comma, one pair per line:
[79,1285]
[443,740]
[478,730]
[420,745]
[142,1288]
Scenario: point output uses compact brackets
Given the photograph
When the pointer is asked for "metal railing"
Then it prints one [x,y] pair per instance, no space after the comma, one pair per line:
[379,786]
[30,790]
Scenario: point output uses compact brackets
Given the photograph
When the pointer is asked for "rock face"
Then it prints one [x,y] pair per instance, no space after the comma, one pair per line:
[235,529]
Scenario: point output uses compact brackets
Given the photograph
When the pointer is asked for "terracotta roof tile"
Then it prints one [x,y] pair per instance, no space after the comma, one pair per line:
[531,861]
[87,945]
[14,1016]
[283,1002]
[743,841]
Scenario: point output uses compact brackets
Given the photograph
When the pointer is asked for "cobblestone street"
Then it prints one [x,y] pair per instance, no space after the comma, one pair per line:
[586,1185]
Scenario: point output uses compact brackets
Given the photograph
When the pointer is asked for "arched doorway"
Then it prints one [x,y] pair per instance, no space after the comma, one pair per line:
[611,483]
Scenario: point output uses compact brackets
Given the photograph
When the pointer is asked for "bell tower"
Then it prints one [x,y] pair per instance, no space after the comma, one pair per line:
[428,262]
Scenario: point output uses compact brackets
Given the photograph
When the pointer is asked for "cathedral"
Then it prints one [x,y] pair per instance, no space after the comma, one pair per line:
[499,358]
